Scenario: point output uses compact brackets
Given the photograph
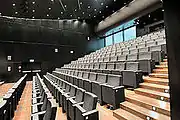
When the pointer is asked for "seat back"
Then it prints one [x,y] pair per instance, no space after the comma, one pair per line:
[145,49]
[122,58]
[133,51]
[125,52]
[110,66]
[134,66]
[73,90]
[92,76]
[75,73]
[113,59]
[114,80]
[145,56]
[132,57]
[51,110]
[79,95]
[106,59]
[80,74]
[103,65]
[86,75]
[96,65]
[91,66]
[90,101]
[102,78]
[120,66]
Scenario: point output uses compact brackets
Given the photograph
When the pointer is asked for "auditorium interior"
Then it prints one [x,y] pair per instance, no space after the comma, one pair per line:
[89,60]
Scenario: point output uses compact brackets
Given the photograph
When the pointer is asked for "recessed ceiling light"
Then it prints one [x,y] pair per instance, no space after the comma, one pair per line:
[78,17]
[47,15]
[89,14]
[16,12]
[80,3]
[0,13]
[149,15]
[61,12]
[58,18]
[99,11]
[52,0]
[33,10]
[95,9]
[106,6]
[65,6]
[71,15]
[75,9]
[83,13]
[114,0]
[102,3]
[49,8]
[33,17]
[163,10]
[14,4]
[94,16]
[71,51]
[89,6]
[33,2]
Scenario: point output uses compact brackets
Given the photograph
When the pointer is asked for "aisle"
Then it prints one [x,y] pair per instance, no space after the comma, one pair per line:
[23,111]
[5,87]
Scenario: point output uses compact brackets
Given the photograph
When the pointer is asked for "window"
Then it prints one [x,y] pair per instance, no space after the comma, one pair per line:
[118,37]
[109,40]
[130,33]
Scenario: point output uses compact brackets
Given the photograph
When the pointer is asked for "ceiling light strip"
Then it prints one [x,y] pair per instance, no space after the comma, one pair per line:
[79,4]
[62,5]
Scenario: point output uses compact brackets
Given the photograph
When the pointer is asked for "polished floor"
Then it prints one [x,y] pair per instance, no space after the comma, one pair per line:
[23,111]
[4,88]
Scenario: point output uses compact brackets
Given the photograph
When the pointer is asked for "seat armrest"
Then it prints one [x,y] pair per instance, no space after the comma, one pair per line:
[80,103]
[36,115]
[96,82]
[37,104]
[90,113]
[103,84]
[118,87]
[80,108]
[106,85]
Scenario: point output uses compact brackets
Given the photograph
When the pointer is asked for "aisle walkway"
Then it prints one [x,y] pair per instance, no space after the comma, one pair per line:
[23,111]
[5,87]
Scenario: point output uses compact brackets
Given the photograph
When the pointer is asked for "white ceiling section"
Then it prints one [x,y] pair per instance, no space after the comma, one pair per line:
[131,11]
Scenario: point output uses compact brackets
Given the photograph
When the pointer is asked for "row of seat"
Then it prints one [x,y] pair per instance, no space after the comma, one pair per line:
[141,44]
[158,36]
[43,104]
[129,73]
[103,85]
[144,62]
[76,102]
[11,99]
[126,51]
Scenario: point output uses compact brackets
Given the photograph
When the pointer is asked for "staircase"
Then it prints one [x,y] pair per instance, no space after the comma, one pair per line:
[151,100]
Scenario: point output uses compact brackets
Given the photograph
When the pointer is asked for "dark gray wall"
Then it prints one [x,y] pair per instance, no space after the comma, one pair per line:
[37,39]
[172,23]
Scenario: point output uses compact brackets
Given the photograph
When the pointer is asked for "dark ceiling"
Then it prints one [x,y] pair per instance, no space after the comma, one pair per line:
[61,9]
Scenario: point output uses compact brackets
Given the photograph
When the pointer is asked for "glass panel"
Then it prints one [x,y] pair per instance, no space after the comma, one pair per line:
[118,37]
[109,40]
[130,33]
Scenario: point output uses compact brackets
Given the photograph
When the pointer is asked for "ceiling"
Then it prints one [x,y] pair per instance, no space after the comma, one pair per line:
[150,18]
[61,9]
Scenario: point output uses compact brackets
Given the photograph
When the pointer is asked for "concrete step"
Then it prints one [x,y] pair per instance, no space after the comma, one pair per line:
[158,75]
[143,112]
[155,87]
[160,81]
[121,114]
[153,94]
